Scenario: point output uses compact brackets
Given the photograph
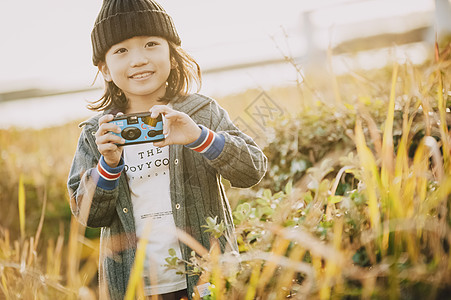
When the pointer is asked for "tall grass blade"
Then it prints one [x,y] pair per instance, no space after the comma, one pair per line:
[74,250]
[442,114]
[401,189]
[4,285]
[253,281]
[21,204]
[191,242]
[278,249]
[138,266]
[218,282]
[41,221]
[420,165]
[287,277]
[437,161]
[387,140]
[370,173]
[332,269]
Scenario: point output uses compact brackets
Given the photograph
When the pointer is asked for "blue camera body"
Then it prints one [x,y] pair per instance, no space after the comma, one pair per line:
[139,128]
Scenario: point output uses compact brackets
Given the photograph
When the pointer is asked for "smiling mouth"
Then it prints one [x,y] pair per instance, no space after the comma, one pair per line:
[141,75]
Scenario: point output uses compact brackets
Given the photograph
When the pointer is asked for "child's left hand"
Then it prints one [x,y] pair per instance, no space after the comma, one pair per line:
[178,127]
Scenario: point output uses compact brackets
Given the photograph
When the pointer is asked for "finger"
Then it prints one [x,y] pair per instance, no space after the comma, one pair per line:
[166,126]
[162,143]
[105,148]
[159,109]
[173,115]
[105,128]
[109,138]
[105,119]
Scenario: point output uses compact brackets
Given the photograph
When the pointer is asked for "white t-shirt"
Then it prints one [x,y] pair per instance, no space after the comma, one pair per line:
[147,169]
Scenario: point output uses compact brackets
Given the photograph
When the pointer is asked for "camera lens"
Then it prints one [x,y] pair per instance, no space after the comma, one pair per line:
[131,133]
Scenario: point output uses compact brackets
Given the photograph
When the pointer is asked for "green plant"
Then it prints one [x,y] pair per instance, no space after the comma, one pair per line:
[374,222]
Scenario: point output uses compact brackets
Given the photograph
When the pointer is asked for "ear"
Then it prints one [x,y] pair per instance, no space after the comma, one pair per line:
[103,68]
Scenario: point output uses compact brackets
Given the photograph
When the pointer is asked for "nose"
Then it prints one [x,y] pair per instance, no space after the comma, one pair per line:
[138,58]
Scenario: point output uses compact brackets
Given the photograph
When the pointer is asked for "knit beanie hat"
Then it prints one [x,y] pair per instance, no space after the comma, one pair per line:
[119,20]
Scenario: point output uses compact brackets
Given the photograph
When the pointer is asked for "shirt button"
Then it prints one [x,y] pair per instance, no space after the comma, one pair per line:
[125,210]
[177,206]
[176,161]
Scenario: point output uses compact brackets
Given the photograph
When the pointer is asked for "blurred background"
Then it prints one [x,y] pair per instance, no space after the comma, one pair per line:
[47,76]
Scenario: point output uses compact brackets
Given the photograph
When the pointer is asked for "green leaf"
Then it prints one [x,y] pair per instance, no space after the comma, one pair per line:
[211,222]
[266,210]
[262,202]
[289,187]
[242,212]
[278,195]
[172,252]
[238,216]
[172,261]
[267,194]
[334,199]
[308,197]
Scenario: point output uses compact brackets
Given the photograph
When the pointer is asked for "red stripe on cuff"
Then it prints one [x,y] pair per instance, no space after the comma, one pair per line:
[106,175]
[207,142]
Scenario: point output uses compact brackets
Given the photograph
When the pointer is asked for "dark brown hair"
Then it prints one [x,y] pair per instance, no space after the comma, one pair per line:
[182,78]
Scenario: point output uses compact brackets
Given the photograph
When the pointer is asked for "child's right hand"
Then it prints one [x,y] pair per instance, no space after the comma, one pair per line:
[106,141]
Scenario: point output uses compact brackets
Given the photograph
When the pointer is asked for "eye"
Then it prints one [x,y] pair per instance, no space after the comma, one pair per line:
[120,50]
[151,44]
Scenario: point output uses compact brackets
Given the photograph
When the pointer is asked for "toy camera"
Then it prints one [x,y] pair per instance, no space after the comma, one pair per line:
[139,128]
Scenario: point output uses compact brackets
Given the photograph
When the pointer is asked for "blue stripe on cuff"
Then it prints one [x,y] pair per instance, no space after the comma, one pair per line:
[216,147]
[201,138]
[115,170]
[109,184]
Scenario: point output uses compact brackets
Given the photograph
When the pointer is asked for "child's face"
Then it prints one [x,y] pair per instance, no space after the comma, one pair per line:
[139,66]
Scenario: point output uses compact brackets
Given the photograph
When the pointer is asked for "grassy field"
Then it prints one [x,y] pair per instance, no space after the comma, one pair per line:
[355,205]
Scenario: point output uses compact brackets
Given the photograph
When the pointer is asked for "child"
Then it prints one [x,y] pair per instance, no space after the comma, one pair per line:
[174,183]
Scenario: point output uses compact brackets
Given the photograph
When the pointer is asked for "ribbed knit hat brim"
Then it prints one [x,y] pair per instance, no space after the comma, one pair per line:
[119,20]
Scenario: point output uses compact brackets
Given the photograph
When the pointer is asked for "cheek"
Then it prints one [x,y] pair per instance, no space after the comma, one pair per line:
[168,69]
[164,68]
[114,66]
[115,73]
[165,61]
[166,65]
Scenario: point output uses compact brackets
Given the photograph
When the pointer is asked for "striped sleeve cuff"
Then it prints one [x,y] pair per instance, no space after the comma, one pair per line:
[108,177]
[209,144]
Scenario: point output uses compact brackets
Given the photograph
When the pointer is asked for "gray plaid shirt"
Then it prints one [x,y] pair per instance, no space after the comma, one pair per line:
[196,191]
